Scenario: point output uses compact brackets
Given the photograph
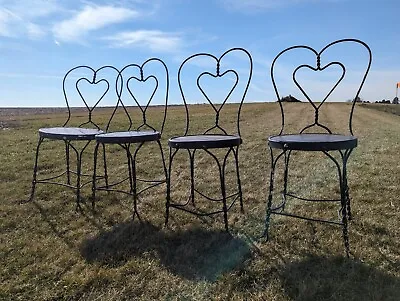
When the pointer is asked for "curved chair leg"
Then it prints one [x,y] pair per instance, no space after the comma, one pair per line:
[35,167]
[236,155]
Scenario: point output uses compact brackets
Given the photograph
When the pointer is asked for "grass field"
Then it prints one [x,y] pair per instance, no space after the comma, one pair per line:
[50,251]
[389,108]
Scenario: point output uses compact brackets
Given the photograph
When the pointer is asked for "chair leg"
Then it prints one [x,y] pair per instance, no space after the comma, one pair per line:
[223,191]
[96,149]
[271,191]
[270,195]
[129,164]
[35,167]
[344,216]
[168,196]
[236,155]
[285,178]
[191,158]
[221,169]
[163,161]
[134,181]
[348,202]
[78,181]
[342,170]
[345,201]
[78,187]
[68,171]
[347,194]
[134,189]
[105,165]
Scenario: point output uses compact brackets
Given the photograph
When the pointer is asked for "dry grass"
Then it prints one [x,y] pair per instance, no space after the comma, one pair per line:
[51,252]
[390,108]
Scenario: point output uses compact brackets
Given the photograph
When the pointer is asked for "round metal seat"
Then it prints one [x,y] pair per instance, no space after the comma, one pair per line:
[69,133]
[128,137]
[204,141]
[313,142]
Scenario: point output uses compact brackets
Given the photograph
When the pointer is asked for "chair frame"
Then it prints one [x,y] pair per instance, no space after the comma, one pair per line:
[138,142]
[344,151]
[191,149]
[69,140]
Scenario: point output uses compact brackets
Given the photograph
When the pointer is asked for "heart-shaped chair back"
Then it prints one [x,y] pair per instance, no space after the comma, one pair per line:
[90,87]
[319,69]
[216,84]
[144,88]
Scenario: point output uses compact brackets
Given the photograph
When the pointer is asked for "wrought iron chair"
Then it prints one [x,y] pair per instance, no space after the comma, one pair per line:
[322,140]
[83,133]
[208,141]
[145,132]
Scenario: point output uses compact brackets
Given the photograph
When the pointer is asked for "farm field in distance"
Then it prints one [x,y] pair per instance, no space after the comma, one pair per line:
[51,251]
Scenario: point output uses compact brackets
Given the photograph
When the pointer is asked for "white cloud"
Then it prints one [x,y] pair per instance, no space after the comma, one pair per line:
[91,18]
[30,9]
[7,20]
[35,31]
[18,17]
[155,40]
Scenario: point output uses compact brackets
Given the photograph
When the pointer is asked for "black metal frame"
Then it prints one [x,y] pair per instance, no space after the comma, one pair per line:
[70,138]
[197,145]
[127,142]
[344,150]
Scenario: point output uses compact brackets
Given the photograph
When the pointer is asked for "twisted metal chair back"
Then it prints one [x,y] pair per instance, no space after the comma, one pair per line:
[219,73]
[128,94]
[76,75]
[319,67]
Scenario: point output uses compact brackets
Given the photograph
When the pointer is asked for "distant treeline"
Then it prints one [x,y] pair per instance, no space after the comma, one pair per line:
[395,100]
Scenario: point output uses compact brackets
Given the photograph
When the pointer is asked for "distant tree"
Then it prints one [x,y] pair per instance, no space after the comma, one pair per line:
[290,98]
[357,99]
[395,101]
[383,101]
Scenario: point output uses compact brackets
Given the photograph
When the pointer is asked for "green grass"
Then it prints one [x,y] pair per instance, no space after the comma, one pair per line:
[50,251]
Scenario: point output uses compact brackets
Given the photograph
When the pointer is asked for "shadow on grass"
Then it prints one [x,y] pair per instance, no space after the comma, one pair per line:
[124,241]
[337,278]
[199,254]
[196,254]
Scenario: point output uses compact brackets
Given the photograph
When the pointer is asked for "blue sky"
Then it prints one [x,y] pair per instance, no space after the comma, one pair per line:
[40,40]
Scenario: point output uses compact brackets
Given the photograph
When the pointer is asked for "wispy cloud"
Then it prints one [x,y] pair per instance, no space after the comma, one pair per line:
[91,18]
[31,9]
[19,17]
[155,40]
[6,18]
